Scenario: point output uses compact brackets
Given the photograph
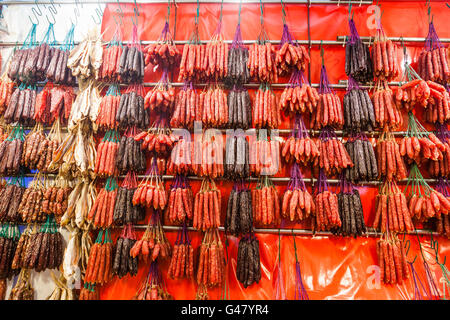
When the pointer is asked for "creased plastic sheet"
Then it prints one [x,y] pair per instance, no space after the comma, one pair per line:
[332,267]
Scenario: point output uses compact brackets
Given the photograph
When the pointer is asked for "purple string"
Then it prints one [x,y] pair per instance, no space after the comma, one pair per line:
[322,184]
[300,291]
[354,36]
[324,85]
[432,290]
[237,40]
[352,84]
[165,32]
[417,294]
[286,36]
[432,41]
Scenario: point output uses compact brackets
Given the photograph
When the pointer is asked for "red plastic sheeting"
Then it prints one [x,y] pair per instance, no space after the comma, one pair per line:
[332,267]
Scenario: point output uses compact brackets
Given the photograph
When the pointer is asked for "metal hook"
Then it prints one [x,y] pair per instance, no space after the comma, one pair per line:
[52,14]
[120,13]
[54,20]
[136,14]
[77,14]
[36,23]
[37,6]
[98,12]
[53,10]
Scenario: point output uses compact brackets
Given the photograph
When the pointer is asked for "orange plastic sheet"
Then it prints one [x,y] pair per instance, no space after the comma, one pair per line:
[332,267]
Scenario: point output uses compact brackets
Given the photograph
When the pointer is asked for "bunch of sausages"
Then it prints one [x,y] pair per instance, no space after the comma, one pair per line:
[333,156]
[327,207]
[239,217]
[130,156]
[124,210]
[392,260]
[181,201]
[106,155]
[299,147]
[438,109]
[238,72]
[163,54]
[99,267]
[209,156]
[55,200]
[211,265]
[11,196]
[358,111]
[41,250]
[290,54]
[153,287]
[131,65]
[443,220]
[101,214]
[6,90]
[131,111]
[188,108]
[161,98]
[423,207]
[441,167]
[297,203]
[422,147]
[123,262]
[385,57]
[21,106]
[415,92]
[363,157]
[182,261]
[11,154]
[213,107]
[30,207]
[191,64]
[158,141]
[329,108]
[30,65]
[150,194]
[433,60]
[299,96]
[351,213]
[248,265]
[38,151]
[207,206]
[57,70]
[237,157]
[389,160]
[153,243]
[111,61]
[89,292]
[261,62]
[266,113]
[239,109]
[391,210]
[53,102]
[266,203]
[109,107]
[264,156]
[9,237]
[358,63]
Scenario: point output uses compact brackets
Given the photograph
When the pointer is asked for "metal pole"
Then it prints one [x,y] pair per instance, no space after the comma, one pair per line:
[330,2]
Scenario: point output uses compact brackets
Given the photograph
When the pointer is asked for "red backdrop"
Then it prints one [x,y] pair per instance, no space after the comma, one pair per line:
[332,267]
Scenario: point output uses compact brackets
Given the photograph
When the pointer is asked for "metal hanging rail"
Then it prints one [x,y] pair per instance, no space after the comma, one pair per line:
[330,2]
[371,232]
[339,42]
[253,179]
[370,39]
